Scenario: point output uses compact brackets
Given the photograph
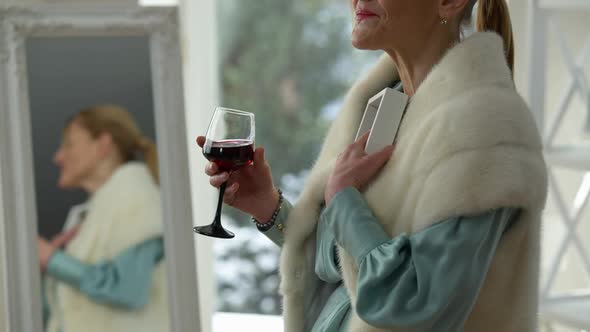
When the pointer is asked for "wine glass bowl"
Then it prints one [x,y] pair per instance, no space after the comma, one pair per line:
[229,155]
[229,144]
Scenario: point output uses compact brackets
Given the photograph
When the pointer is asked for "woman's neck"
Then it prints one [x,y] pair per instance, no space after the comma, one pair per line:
[100,176]
[416,59]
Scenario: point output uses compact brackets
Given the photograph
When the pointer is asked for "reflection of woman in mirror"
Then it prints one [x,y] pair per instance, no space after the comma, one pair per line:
[104,272]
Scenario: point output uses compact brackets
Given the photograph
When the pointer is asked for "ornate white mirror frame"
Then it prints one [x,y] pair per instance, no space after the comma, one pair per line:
[18,217]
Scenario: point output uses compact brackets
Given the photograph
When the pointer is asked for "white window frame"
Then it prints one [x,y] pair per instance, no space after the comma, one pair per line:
[18,216]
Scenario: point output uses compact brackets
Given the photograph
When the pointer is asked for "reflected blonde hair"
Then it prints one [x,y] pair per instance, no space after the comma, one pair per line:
[126,135]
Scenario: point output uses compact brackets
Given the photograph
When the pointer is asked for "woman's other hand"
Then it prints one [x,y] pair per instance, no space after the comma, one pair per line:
[63,238]
[355,168]
[250,188]
[45,250]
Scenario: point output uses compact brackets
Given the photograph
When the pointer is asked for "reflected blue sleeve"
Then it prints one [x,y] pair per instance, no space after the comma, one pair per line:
[427,281]
[124,281]
[275,234]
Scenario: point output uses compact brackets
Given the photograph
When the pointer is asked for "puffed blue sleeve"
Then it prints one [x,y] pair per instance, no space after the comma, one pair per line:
[427,281]
[124,281]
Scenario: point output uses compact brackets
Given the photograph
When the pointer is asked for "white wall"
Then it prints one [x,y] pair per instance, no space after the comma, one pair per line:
[199,49]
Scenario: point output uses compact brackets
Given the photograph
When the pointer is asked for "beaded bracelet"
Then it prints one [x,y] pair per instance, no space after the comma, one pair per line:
[263,227]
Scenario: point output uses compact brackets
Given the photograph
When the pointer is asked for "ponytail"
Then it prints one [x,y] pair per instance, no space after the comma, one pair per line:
[150,156]
[492,15]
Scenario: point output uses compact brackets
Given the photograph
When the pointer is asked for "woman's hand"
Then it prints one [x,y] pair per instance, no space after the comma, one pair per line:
[63,238]
[250,188]
[45,250]
[355,168]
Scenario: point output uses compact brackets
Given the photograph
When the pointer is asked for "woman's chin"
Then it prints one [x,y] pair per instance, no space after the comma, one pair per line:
[362,42]
[65,184]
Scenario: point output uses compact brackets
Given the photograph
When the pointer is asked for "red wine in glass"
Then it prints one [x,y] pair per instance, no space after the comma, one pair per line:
[230,155]
[229,143]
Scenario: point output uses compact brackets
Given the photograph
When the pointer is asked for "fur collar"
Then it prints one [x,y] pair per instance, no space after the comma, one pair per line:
[128,203]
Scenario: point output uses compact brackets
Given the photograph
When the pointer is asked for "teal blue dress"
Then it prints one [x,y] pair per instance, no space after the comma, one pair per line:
[427,281]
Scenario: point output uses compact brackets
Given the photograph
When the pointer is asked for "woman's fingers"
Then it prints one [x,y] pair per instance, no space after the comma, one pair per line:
[259,156]
[65,237]
[230,193]
[384,155]
[201,141]
[362,141]
[211,169]
[218,179]
[373,162]
[357,148]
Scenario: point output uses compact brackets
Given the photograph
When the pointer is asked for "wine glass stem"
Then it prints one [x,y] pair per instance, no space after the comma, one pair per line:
[217,220]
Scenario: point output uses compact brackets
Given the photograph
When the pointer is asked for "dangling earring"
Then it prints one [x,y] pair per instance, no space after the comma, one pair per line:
[444,21]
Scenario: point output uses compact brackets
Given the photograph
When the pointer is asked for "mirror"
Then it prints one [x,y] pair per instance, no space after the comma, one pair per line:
[101,183]
[87,94]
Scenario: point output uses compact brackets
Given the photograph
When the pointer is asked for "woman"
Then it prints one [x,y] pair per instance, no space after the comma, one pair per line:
[441,234]
[109,275]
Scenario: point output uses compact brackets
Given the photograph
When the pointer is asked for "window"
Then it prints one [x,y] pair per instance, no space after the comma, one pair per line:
[290,63]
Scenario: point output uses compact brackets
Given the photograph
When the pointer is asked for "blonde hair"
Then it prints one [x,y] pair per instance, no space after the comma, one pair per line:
[493,15]
[120,125]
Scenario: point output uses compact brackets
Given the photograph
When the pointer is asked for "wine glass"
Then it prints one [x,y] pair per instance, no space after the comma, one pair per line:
[229,143]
